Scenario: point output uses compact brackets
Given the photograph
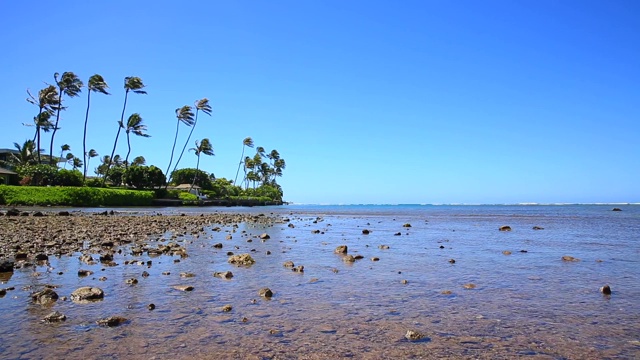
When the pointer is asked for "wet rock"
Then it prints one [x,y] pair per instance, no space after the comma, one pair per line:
[469,286]
[87,259]
[375,259]
[87,294]
[412,335]
[227,308]
[112,321]
[64,213]
[37,214]
[265,293]
[407,225]
[187,275]
[505,228]
[145,274]
[223,275]
[383,247]
[569,259]
[397,234]
[102,278]
[265,236]
[606,290]
[3,292]
[299,269]
[365,232]
[44,297]
[42,257]
[291,225]
[166,273]
[315,232]
[13,212]
[452,261]
[131,281]
[55,316]
[441,246]
[404,282]
[151,306]
[289,264]
[538,228]
[349,259]
[106,258]
[83,273]
[184,287]
[616,209]
[6,266]
[342,249]
[506,252]
[241,260]
[218,246]
[21,256]
[446,292]
[358,257]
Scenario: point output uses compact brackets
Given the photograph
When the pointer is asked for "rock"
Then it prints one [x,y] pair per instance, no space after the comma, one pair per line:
[289,264]
[131,281]
[223,275]
[21,256]
[469,286]
[42,257]
[13,212]
[64,213]
[441,246]
[187,275]
[145,274]
[397,234]
[3,292]
[404,281]
[87,294]
[299,269]
[538,228]
[616,209]
[375,259]
[291,225]
[452,261]
[606,290]
[383,247]
[315,231]
[151,306]
[358,257]
[242,260]
[412,335]
[365,232]
[106,258]
[87,259]
[505,228]
[83,273]
[6,266]
[265,236]
[349,258]
[265,293]
[407,225]
[184,287]
[38,214]
[227,308]
[229,237]
[342,249]
[446,292]
[44,297]
[569,259]
[218,246]
[55,316]
[506,252]
[102,278]
[111,321]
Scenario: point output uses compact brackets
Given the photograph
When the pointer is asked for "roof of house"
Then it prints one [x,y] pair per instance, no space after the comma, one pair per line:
[7,172]
[186,186]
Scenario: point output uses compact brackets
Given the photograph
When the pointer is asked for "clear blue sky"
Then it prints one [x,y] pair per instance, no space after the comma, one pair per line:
[428,101]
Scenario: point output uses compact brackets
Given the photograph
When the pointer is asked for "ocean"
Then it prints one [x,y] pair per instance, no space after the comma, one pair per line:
[445,272]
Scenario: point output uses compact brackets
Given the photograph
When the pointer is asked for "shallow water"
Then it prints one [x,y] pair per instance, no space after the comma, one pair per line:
[527,304]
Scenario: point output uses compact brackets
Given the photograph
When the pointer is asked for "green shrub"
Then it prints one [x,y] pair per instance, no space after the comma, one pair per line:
[73,196]
[95,182]
[68,178]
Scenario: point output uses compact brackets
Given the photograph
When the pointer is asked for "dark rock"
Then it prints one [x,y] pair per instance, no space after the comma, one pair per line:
[106,258]
[87,294]
[383,247]
[42,257]
[265,293]
[407,225]
[606,290]
[441,246]
[21,256]
[342,249]
[223,275]
[3,292]
[131,281]
[397,234]
[366,232]
[112,321]
[107,244]
[348,258]
[504,228]
[145,274]
[83,273]
[38,214]
[227,308]
[538,228]
[184,287]
[64,213]
[289,264]
[242,260]
[218,246]
[616,209]
[358,257]
[151,306]
[13,212]
[375,259]
[291,225]
[299,269]
[265,236]
[315,232]
[44,297]
[453,261]
[6,266]
[55,316]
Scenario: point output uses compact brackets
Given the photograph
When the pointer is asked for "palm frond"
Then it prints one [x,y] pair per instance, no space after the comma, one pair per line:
[203,105]
[185,114]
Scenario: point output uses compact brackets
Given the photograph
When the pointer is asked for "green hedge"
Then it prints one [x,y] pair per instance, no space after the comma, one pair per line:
[73,196]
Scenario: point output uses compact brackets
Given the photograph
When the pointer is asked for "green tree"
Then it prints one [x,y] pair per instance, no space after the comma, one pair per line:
[135,126]
[200,105]
[91,154]
[135,85]
[203,147]
[96,84]
[76,162]
[144,177]
[69,84]
[138,160]
[184,115]
[247,142]
[26,154]
[63,148]
[47,101]
[186,175]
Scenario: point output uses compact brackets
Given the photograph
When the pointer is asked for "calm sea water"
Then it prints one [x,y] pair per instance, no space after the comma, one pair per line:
[526,301]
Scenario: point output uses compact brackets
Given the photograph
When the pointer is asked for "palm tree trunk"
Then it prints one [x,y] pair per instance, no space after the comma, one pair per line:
[84,138]
[240,163]
[126,159]
[195,176]
[106,172]
[187,142]
[38,149]
[55,128]
[175,139]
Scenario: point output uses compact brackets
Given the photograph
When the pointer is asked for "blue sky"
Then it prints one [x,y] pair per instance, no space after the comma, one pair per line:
[367,101]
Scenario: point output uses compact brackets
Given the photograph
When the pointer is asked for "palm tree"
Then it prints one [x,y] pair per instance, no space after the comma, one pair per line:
[77,163]
[134,84]
[185,115]
[91,154]
[200,105]
[247,142]
[96,84]
[68,159]
[204,147]
[25,156]
[138,160]
[46,102]
[71,85]
[63,148]
[135,126]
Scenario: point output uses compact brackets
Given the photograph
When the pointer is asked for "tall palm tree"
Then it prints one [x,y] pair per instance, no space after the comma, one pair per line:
[184,115]
[204,147]
[91,154]
[96,84]
[63,148]
[200,105]
[278,166]
[68,159]
[135,85]
[46,102]
[71,85]
[247,142]
[135,126]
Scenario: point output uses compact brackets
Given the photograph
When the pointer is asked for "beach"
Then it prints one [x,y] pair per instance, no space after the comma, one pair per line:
[363,282]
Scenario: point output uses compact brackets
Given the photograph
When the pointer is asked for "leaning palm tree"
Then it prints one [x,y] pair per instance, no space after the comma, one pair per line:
[25,156]
[135,126]
[204,147]
[135,85]
[200,105]
[68,159]
[91,154]
[76,162]
[247,142]
[71,85]
[46,102]
[96,84]
[63,148]
[184,115]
